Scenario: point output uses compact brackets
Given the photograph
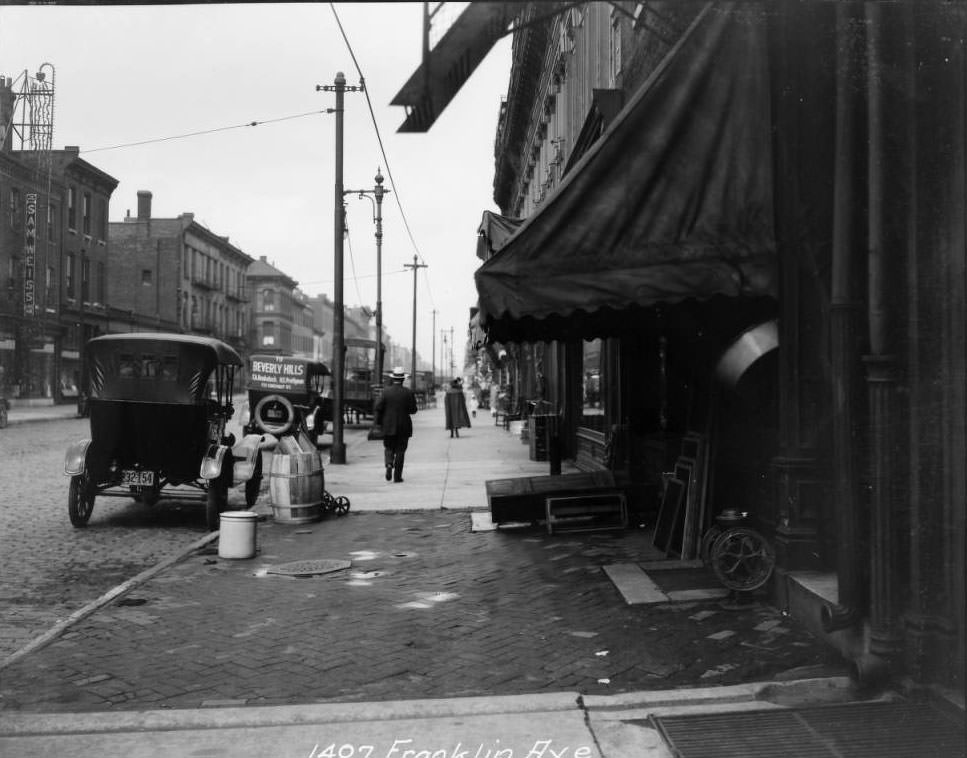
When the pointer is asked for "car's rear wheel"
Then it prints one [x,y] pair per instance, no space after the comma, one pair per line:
[253,485]
[80,500]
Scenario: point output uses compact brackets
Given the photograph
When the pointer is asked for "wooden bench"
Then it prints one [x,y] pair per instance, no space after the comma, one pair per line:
[524,499]
[506,415]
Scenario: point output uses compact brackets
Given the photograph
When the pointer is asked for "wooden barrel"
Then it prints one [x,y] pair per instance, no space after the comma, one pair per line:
[296,486]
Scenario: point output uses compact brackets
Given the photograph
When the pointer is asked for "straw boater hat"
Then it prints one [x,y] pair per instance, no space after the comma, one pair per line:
[398,374]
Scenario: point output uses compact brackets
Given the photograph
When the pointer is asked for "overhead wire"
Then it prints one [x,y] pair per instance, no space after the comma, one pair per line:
[382,149]
[360,276]
[208,131]
[352,264]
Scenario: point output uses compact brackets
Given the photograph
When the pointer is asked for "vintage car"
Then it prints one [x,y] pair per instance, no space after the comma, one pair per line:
[158,406]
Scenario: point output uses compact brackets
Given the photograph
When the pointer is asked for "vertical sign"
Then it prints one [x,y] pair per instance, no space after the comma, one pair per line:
[30,241]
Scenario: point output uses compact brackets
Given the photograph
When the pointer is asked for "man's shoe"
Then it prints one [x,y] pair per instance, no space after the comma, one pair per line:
[398,479]
[389,473]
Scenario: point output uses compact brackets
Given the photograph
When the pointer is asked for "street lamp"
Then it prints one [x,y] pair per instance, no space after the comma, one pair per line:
[377,192]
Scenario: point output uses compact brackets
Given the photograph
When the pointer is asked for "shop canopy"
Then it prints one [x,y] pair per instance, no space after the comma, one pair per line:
[673,202]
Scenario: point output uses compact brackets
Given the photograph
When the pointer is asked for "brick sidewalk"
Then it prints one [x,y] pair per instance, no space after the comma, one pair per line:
[428,609]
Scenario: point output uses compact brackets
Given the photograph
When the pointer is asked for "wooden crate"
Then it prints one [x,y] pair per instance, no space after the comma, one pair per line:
[587,512]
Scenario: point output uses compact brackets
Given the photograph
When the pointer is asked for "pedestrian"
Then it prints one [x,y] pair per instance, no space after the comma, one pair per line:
[455,407]
[474,403]
[392,416]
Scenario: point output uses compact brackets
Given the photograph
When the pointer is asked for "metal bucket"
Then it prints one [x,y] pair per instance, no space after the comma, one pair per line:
[236,535]
[296,486]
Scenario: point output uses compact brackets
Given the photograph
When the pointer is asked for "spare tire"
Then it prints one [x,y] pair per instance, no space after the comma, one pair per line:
[274,414]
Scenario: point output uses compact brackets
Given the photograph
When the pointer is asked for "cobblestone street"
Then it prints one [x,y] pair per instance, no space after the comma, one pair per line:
[428,609]
[48,569]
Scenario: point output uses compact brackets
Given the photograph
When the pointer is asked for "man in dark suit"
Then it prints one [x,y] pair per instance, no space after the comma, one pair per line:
[392,416]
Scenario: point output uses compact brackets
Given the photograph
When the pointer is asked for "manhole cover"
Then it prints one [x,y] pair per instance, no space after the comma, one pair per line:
[132,601]
[310,568]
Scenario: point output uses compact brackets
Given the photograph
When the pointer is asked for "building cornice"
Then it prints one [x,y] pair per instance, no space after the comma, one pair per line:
[218,241]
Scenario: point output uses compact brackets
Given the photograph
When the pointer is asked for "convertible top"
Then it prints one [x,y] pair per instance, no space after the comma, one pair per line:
[223,353]
[155,367]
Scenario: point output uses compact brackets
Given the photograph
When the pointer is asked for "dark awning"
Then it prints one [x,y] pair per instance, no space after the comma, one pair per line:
[494,232]
[673,202]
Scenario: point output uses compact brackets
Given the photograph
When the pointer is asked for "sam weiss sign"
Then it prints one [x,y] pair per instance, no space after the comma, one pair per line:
[30,240]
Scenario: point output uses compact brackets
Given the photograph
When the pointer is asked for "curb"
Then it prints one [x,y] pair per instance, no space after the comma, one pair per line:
[13,421]
[61,626]
[288,715]
[630,705]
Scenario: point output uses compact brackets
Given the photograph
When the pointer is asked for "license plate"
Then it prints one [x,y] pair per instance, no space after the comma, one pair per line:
[137,478]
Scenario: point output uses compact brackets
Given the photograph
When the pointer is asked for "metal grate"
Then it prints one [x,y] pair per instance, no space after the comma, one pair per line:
[859,730]
[309,568]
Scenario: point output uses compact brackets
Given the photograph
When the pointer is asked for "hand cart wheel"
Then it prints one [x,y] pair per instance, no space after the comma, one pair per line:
[342,505]
[708,540]
[742,558]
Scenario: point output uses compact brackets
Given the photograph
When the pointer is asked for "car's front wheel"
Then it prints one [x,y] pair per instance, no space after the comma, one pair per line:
[215,502]
[80,500]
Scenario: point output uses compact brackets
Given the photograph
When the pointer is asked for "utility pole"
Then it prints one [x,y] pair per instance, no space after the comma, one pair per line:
[414,265]
[378,192]
[337,454]
[433,360]
[453,368]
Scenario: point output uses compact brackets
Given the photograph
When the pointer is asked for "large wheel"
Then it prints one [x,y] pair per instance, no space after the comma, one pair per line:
[80,500]
[215,502]
[707,541]
[742,558]
[253,485]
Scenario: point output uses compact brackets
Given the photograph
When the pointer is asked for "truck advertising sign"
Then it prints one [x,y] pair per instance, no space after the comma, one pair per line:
[279,373]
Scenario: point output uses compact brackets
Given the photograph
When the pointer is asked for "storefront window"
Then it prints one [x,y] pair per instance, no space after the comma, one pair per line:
[593,395]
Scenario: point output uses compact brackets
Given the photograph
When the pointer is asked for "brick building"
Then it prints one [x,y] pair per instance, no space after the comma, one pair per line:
[174,274]
[54,256]
[275,307]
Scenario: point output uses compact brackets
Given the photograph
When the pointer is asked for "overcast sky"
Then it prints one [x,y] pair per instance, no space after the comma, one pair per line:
[134,73]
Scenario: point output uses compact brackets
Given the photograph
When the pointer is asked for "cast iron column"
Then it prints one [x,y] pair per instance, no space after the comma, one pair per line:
[881,375]
[845,312]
